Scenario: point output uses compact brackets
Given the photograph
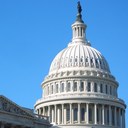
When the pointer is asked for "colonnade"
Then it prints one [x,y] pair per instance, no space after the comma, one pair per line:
[85,113]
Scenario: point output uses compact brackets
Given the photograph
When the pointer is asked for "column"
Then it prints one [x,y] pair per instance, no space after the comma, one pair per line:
[110,116]
[52,115]
[95,111]
[85,86]
[58,115]
[79,86]
[115,116]
[79,113]
[92,86]
[55,113]
[49,112]
[70,113]
[43,111]
[39,111]
[103,114]
[62,114]
[87,115]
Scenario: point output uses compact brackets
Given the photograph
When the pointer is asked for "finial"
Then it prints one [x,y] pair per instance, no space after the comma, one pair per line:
[79,7]
[79,16]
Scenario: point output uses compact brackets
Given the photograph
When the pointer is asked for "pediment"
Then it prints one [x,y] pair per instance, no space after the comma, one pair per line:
[6,105]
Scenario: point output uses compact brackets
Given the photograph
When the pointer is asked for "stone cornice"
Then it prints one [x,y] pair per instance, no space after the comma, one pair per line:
[8,106]
[89,97]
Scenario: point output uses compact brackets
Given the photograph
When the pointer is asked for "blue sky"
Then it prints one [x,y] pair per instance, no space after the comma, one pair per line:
[32,32]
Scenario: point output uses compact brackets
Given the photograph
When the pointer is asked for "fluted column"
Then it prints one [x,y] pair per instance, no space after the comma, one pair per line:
[87,116]
[55,113]
[79,113]
[62,114]
[52,115]
[70,113]
[49,109]
[115,116]
[95,111]
[103,119]
[58,116]
[110,116]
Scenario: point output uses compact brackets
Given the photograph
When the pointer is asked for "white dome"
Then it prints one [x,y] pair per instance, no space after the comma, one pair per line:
[79,91]
[79,56]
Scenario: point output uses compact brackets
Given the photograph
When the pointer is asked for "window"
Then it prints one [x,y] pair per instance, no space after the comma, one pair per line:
[62,87]
[89,87]
[75,86]
[90,114]
[81,60]
[113,116]
[98,115]
[82,86]
[82,114]
[106,89]
[101,88]
[107,116]
[97,65]
[56,88]
[95,87]
[68,87]
[68,114]
[75,114]
[110,90]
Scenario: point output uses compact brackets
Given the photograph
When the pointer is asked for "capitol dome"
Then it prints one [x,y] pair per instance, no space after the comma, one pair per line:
[79,90]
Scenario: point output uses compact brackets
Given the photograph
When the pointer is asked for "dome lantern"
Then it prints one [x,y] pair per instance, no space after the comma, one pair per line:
[79,28]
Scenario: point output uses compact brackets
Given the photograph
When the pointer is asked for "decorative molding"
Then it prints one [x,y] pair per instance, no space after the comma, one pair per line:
[8,106]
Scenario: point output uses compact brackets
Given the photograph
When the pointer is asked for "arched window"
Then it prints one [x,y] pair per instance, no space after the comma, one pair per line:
[75,86]
[75,114]
[68,87]
[95,87]
[82,114]
[89,87]
[82,86]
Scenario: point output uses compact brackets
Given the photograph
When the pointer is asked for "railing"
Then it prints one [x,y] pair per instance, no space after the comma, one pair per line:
[42,117]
